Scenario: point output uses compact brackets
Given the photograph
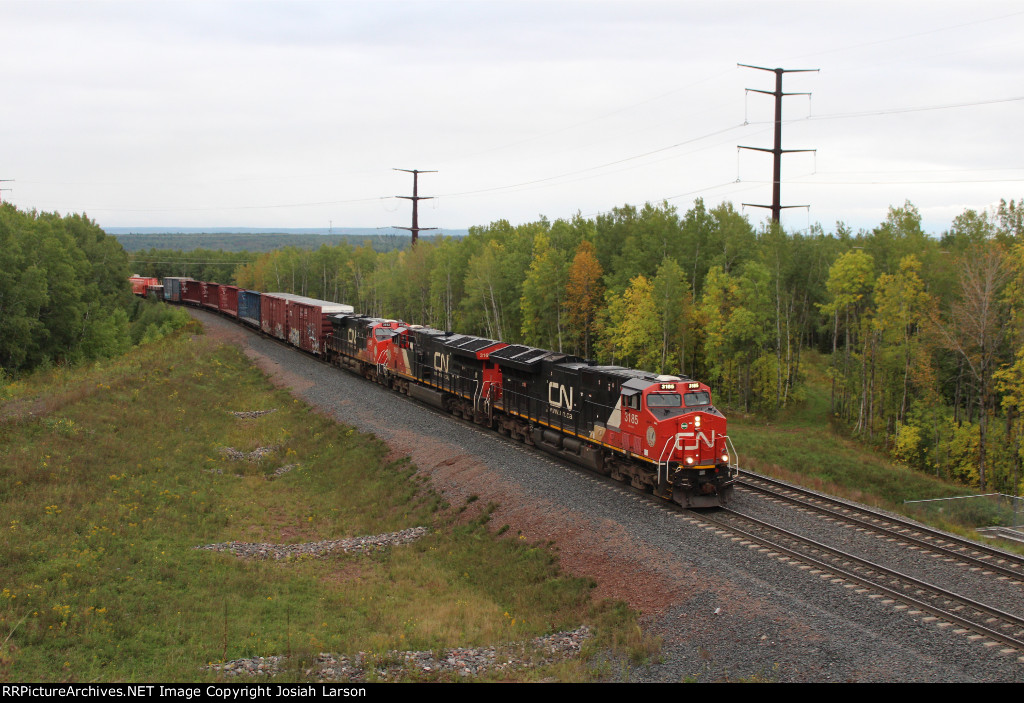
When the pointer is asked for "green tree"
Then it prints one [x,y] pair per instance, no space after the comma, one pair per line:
[673,304]
[975,330]
[543,300]
[850,281]
[63,290]
[630,331]
[901,306]
[735,315]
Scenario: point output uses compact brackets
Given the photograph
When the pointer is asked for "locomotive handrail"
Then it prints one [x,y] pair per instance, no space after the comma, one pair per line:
[732,452]
[673,440]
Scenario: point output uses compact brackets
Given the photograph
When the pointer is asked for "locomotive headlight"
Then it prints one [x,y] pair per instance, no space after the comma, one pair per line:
[696,421]
[725,458]
[689,461]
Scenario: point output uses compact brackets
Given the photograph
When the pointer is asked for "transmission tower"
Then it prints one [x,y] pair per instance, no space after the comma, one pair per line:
[4,180]
[415,198]
[778,151]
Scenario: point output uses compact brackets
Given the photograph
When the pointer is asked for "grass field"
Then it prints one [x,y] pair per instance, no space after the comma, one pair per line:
[112,474]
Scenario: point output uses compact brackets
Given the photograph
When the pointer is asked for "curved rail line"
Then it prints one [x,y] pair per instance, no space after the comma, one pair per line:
[997,625]
[965,552]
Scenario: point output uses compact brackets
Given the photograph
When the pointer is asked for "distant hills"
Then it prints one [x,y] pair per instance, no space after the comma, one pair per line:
[263,239]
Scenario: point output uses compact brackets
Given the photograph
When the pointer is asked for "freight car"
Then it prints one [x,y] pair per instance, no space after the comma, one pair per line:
[139,284]
[660,433]
[172,288]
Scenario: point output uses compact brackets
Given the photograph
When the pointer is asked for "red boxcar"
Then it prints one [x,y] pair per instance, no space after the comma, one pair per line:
[228,300]
[192,292]
[274,314]
[139,284]
[309,323]
[302,321]
[211,298]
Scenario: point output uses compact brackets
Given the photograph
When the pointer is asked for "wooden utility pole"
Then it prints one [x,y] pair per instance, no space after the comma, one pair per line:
[778,151]
[415,198]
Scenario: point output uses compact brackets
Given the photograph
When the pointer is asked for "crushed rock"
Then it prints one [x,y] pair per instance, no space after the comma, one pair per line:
[281,471]
[266,550]
[277,473]
[247,414]
[462,661]
[253,456]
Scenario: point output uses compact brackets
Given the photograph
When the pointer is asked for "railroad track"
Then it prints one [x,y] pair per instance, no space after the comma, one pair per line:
[965,553]
[933,604]
[948,609]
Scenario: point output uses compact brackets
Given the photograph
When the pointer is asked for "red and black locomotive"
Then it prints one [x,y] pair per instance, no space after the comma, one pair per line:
[661,433]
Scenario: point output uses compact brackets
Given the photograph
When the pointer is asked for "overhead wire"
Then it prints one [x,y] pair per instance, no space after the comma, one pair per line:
[596,167]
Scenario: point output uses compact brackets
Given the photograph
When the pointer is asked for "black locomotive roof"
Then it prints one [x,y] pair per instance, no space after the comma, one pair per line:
[574,365]
[519,357]
[621,372]
[469,346]
[429,332]
[339,319]
[513,350]
[523,358]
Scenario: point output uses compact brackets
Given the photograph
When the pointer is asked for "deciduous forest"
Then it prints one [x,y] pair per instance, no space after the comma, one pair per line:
[64,294]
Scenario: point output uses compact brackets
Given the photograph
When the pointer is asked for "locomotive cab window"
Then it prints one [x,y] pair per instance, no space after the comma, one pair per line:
[664,400]
[697,398]
[631,400]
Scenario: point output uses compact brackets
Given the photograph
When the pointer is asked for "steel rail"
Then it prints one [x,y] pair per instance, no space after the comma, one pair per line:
[1015,570]
[883,572]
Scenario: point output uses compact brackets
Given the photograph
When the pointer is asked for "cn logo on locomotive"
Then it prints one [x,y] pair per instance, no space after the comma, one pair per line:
[559,398]
[441,362]
[697,438]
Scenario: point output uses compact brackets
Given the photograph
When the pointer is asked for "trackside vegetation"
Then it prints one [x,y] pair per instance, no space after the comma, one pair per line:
[114,472]
[64,294]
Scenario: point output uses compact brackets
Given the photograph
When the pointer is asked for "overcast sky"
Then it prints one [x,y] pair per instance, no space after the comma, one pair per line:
[293,114]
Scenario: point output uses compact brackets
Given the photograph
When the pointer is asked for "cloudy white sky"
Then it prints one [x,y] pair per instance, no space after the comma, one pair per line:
[293,114]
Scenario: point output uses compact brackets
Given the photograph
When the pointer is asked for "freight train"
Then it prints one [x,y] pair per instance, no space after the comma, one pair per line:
[660,433]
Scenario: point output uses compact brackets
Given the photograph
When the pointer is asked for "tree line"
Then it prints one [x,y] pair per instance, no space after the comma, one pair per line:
[64,293]
[63,288]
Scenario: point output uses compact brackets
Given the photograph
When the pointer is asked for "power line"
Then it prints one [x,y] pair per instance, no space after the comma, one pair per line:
[904,37]
[151,261]
[594,168]
[606,115]
[909,183]
[899,110]
[241,207]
